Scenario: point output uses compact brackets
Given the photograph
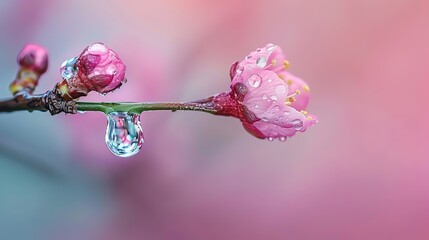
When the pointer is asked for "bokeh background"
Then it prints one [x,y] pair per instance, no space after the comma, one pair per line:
[361,173]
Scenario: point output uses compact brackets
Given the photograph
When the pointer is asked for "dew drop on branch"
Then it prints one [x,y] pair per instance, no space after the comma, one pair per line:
[124,135]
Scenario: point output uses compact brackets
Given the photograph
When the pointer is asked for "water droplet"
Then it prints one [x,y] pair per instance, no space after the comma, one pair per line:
[282,139]
[261,62]
[281,89]
[254,80]
[249,57]
[270,139]
[277,108]
[297,124]
[81,112]
[256,106]
[286,113]
[274,98]
[264,97]
[264,119]
[111,69]
[124,135]
[270,80]
[97,47]
[68,68]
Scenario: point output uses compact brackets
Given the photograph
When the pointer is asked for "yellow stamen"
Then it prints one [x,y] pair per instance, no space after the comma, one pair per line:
[274,62]
[281,77]
[304,112]
[286,64]
[306,88]
[289,82]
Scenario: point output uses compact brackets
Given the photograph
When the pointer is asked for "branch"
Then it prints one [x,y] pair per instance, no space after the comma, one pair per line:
[52,102]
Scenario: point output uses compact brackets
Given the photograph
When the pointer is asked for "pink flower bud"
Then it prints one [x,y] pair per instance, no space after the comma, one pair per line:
[34,57]
[97,68]
[33,60]
[269,101]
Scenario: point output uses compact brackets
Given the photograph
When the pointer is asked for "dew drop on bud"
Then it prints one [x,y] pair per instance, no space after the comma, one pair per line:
[124,135]
[68,68]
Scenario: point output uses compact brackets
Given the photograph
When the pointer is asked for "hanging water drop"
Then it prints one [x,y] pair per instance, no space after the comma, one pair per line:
[282,139]
[124,135]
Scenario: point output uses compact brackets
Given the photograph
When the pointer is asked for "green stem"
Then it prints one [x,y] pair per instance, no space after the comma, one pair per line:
[107,107]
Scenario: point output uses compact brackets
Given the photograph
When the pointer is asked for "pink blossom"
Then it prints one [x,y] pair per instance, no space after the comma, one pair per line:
[98,68]
[269,101]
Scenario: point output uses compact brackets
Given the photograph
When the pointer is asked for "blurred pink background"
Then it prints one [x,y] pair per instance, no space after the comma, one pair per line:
[361,173]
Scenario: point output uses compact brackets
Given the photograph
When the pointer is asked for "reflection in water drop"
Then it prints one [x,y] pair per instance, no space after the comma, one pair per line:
[255,80]
[124,135]
[297,124]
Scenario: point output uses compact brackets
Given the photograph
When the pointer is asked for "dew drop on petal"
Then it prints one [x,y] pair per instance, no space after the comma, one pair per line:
[261,62]
[281,89]
[297,124]
[274,98]
[264,97]
[254,80]
[277,108]
[124,135]
[264,119]
[238,71]
[270,80]
[286,113]
[282,139]
[270,139]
